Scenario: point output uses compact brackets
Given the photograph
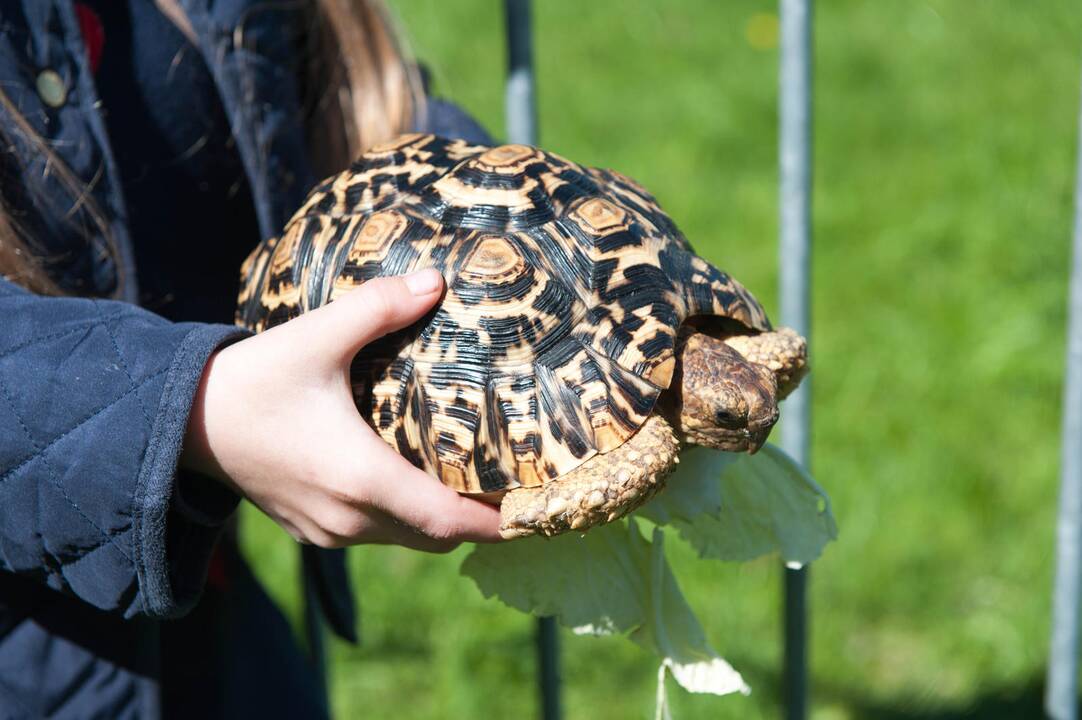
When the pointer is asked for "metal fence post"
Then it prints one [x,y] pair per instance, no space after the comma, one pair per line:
[795,259]
[520,106]
[521,114]
[1061,696]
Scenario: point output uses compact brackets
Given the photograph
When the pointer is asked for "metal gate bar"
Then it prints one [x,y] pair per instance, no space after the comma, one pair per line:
[1061,696]
[795,93]
[520,103]
[521,115]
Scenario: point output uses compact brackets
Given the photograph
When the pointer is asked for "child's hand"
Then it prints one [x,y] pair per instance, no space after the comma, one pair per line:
[274,418]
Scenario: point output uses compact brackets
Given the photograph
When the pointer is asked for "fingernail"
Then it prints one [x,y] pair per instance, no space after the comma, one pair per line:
[424,282]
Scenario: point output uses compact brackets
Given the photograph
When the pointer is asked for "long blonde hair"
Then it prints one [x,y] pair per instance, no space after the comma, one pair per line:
[364,89]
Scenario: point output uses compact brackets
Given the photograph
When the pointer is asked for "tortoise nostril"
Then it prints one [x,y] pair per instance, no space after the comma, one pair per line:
[764,419]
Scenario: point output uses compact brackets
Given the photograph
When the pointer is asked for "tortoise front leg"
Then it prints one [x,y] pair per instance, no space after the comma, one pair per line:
[600,490]
[783,352]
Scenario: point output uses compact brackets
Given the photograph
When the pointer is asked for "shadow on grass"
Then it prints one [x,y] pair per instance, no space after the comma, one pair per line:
[1000,704]
[1008,703]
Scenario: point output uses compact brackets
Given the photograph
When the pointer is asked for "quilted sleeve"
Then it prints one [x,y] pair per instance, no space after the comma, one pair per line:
[94,401]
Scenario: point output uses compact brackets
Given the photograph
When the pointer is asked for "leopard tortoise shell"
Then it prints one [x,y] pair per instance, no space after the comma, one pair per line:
[579,341]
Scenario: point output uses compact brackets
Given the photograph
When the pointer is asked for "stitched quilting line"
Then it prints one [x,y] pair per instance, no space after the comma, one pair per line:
[40,452]
[124,367]
[29,458]
[61,333]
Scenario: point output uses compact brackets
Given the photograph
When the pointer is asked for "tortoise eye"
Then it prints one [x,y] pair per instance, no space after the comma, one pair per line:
[727,418]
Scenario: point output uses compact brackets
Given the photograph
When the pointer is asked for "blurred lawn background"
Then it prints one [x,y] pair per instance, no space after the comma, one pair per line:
[943,172]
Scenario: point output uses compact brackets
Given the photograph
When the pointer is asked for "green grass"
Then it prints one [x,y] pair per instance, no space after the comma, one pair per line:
[943,171]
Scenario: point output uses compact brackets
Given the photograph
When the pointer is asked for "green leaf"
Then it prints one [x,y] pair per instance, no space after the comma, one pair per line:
[592,582]
[693,489]
[769,503]
[672,632]
[614,580]
[609,580]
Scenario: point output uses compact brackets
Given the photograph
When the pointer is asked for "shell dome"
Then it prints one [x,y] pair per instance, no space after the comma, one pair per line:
[566,287]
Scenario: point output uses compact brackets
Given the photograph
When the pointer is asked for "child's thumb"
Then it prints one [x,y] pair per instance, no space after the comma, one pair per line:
[377,307]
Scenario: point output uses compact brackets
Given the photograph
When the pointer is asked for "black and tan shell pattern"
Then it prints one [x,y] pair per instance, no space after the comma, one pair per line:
[566,286]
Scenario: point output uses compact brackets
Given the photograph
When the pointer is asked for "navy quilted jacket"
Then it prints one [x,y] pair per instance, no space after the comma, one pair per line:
[101,538]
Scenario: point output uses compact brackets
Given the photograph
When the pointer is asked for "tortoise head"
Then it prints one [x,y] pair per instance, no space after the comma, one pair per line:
[719,398]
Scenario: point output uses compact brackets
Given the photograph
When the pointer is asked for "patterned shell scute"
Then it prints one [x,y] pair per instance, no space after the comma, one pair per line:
[566,286]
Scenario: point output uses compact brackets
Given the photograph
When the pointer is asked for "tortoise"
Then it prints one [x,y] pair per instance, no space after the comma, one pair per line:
[579,341]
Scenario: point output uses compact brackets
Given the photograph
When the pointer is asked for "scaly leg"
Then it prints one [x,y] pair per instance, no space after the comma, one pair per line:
[783,352]
[600,490]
